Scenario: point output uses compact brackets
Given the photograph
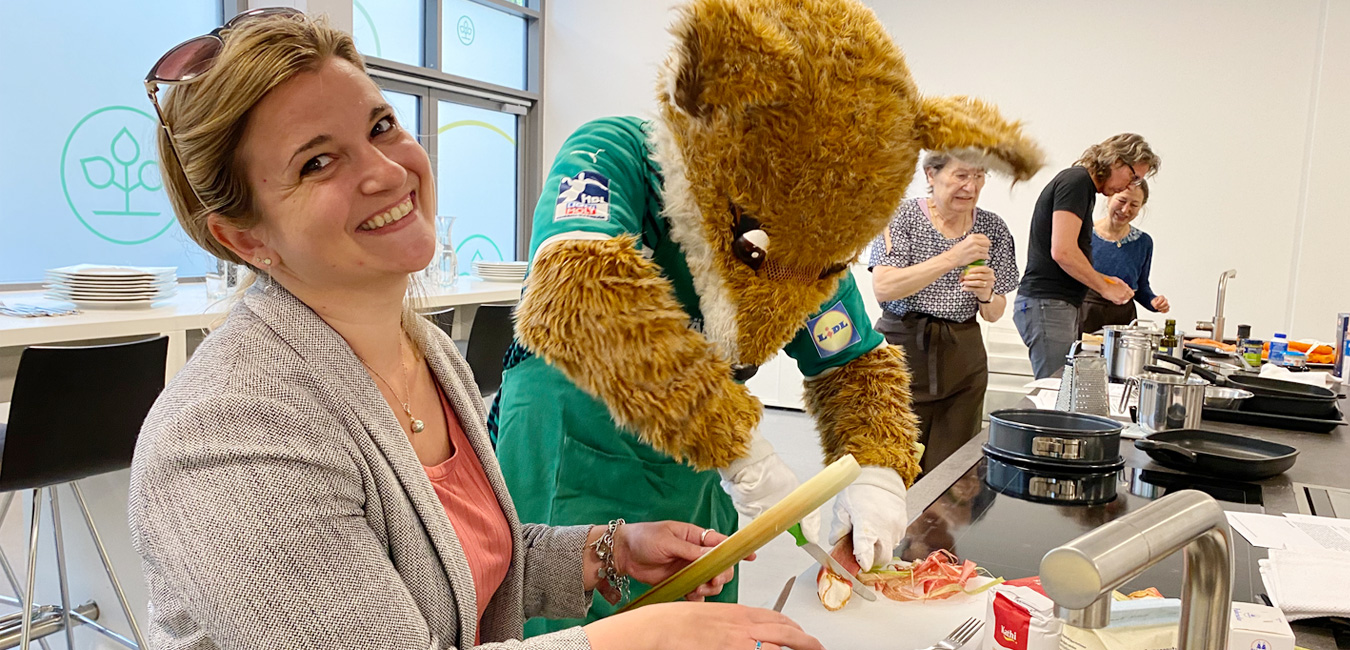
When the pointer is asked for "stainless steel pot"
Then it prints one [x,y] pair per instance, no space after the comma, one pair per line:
[1167,402]
[1128,348]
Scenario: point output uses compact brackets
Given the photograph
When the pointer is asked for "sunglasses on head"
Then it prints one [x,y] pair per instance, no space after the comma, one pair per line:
[187,61]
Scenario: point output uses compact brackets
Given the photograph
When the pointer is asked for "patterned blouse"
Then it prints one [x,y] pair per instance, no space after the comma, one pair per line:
[914,240]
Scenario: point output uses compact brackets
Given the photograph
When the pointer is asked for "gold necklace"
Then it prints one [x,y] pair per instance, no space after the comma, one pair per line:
[937,219]
[413,423]
[1118,241]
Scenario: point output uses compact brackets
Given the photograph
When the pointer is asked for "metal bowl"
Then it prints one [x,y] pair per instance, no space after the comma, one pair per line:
[1224,398]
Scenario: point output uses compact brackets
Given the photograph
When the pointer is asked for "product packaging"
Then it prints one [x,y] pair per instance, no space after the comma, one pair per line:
[1020,618]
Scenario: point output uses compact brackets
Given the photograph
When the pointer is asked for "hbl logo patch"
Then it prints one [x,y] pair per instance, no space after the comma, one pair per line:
[833,331]
[584,196]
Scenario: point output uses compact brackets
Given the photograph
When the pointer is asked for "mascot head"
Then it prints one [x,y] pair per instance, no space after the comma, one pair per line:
[787,134]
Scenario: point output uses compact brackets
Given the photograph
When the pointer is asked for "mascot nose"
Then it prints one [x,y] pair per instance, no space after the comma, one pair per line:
[743,371]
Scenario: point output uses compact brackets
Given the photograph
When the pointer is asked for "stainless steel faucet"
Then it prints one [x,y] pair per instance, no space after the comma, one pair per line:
[1215,327]
[1080,576]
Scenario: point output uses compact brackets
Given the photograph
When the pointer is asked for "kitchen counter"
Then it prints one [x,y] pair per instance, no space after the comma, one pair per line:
[190,309]
[954,507]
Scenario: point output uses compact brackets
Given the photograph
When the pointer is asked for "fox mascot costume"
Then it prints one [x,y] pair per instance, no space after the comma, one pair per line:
[671,257]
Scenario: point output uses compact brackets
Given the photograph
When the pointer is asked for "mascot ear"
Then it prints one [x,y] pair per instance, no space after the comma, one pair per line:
[726,56]
[688,57]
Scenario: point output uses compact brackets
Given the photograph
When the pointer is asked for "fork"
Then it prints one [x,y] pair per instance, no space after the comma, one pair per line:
[960,636]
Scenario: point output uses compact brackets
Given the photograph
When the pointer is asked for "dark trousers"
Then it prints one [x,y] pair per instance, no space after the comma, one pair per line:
[950,372]
[1097,312]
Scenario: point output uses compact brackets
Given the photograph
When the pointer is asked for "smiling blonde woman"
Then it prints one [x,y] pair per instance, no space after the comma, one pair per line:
[319,474]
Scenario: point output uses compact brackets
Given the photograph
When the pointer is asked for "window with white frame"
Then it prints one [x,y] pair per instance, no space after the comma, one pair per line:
[465,75]
[79,178]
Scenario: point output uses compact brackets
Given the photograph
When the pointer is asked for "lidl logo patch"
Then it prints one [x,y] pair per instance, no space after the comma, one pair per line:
[584,196]
[833,331]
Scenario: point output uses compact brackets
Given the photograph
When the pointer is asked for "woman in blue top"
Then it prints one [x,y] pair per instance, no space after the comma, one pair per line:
[1123,251]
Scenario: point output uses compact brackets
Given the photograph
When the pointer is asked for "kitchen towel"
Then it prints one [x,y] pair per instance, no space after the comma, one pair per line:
[1305,584]
[1272,371]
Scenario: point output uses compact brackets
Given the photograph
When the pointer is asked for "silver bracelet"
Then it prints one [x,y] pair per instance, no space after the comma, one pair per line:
[604,550]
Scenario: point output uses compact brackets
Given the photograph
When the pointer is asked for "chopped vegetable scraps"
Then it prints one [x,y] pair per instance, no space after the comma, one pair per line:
[832,589]
[1151,592]
[940,575]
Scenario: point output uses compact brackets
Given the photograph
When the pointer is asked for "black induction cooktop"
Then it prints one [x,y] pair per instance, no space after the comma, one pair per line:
[1003,531]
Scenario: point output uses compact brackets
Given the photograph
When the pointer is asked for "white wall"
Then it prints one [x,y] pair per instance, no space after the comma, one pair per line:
[1224,90]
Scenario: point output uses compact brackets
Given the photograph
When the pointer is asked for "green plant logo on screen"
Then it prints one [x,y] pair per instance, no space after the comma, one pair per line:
[476,248]
[111,179]
[465,30]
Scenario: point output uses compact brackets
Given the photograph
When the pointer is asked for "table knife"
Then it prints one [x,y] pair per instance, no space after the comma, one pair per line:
[820,556]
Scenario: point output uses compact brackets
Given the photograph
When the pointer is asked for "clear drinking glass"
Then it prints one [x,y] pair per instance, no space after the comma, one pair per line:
[223,281]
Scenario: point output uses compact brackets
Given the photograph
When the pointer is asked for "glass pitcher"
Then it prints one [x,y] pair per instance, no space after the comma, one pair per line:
[444,268]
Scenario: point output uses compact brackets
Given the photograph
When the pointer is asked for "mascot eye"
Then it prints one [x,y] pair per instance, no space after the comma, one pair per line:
[750,244]
[833,270]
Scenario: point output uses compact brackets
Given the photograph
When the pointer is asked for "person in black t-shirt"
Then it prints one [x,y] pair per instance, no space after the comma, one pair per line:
[1059,254]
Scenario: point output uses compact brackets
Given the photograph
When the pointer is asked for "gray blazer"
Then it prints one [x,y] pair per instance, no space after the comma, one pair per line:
[277,503]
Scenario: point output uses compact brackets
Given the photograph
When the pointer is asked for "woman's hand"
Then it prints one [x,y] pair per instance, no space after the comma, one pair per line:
[652,552]
[1161,305]
[710,626]
[979,280]
[974,247]
[1116,290]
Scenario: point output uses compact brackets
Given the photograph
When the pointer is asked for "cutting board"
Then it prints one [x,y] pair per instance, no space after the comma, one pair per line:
[886,623]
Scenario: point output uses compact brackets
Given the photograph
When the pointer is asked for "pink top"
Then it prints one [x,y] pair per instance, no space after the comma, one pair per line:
[474,513]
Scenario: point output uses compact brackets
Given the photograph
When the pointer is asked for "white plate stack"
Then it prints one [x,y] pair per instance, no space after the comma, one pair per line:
[92,286]
[501,271]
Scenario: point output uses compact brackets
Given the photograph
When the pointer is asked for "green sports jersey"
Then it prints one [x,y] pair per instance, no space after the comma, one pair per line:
[564,459]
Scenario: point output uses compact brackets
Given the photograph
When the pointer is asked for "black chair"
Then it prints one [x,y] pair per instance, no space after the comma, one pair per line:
[76,412]
[489,338]
[444,318]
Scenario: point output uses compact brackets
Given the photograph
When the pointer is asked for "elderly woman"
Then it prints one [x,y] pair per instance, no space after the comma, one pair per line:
[319,474]
[942,261]
[1059,269]
[1120,250]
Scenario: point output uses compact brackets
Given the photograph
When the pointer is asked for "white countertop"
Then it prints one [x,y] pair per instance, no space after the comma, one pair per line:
[189,309]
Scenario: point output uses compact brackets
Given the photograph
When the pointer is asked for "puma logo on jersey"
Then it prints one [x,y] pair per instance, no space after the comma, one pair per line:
[594,156]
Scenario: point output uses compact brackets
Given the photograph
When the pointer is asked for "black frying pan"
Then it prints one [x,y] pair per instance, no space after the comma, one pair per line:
[1281,387]
[1204,373]
[1274,396]
[1285,397]
[1218,454]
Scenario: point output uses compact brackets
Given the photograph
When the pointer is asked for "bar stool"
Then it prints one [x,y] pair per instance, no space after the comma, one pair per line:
[489,339]
[444,318]
[76,412]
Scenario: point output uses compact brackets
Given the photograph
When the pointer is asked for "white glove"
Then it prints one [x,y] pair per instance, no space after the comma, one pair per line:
[761,479]
[873,507]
